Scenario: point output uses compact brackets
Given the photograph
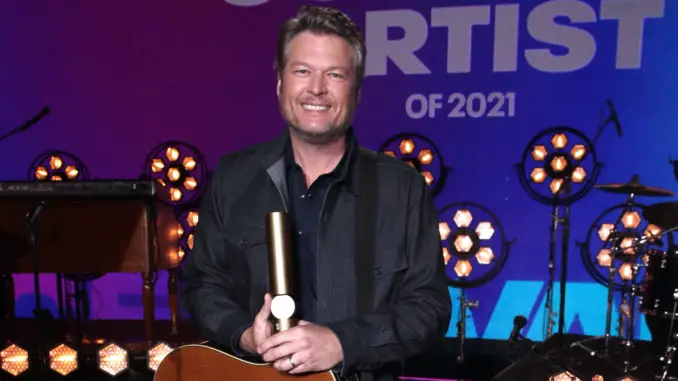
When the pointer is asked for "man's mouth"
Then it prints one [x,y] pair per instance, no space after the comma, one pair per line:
[314,107]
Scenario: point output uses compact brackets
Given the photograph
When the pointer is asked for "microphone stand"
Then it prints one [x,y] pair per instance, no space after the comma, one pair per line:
[6,281]
[28,124]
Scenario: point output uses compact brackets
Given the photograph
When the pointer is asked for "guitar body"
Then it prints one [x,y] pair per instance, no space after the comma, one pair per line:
[198,362]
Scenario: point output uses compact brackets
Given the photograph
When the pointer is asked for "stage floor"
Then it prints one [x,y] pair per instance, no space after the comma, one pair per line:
[483,359]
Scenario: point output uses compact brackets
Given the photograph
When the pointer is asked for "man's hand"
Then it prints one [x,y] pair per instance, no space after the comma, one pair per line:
[305,348]
[260,330]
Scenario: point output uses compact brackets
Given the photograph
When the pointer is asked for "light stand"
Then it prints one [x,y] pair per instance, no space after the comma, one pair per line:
[568,158]
[181,170]
[464,303]
[481,245]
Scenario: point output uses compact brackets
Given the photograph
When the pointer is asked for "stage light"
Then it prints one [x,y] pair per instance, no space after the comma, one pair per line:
[14,360]
[564,376]
[474,249]
[420,153]
[113,359]
[157,354]
[57,165]
[615,253]
[556,157]
[558,167]
[63,359]
[180,169]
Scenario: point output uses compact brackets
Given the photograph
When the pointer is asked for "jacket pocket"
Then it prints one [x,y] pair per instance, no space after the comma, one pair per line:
[389,272]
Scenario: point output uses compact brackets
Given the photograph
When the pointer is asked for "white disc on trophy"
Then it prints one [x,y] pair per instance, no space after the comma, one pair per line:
[282,307]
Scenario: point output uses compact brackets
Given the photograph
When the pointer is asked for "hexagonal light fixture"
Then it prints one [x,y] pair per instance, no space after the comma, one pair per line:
[539,152]
[63,359]
[604,231]
[559,141]
[463,218]
[113,359]
[14,360]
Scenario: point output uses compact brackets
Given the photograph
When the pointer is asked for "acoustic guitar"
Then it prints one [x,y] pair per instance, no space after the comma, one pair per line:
[202,362]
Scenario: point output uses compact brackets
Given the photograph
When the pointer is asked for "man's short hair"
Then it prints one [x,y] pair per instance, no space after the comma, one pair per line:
[324,21]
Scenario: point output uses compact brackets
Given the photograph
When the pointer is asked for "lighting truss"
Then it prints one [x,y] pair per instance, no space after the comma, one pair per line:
[180,169]
[558,167]
[420,153]
[55,165]
[473,243]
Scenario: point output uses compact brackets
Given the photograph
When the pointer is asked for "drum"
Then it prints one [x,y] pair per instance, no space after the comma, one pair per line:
[660,285]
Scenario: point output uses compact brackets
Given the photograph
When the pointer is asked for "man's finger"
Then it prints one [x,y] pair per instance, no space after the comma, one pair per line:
[282,351]
[304,322]
[278,339]
[265,311]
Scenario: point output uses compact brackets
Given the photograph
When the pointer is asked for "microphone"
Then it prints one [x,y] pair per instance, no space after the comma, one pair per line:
[613,117]
[518,323]
[279,239]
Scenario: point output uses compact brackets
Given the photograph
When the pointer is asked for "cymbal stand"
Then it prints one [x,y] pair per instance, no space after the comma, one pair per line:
[610,287]
[667,358]
[461,324]
[630,322]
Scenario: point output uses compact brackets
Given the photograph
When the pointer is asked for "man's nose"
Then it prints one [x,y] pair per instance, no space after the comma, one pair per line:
[318,84]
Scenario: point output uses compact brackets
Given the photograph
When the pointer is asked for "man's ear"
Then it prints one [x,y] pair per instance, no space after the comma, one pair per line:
[277,89]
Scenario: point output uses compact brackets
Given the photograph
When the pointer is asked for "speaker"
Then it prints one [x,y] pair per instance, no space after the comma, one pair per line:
[572,357]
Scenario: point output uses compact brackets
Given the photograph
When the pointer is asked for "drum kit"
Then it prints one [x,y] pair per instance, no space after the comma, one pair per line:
[657,290]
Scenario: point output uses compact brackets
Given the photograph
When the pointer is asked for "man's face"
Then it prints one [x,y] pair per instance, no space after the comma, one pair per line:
[316,91]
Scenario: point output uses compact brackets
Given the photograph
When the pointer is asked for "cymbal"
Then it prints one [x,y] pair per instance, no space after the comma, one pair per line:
[664,214]
[634,187]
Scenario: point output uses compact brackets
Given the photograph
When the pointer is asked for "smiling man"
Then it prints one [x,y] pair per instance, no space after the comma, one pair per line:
[371,285]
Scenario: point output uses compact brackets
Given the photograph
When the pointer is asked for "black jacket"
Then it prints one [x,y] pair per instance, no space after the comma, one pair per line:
[226,275]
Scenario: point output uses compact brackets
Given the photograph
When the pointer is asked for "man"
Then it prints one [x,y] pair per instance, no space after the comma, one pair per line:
[312,171]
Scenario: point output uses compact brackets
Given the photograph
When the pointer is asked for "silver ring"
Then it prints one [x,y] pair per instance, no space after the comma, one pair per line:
[292,362]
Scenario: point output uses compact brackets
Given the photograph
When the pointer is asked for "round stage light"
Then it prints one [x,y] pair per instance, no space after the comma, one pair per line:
[475,248]
[621,239]
[180,169]
[420,153]
[55,165]
[558,166]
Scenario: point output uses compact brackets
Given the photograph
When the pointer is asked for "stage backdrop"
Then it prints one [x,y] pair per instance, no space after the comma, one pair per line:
[479,79]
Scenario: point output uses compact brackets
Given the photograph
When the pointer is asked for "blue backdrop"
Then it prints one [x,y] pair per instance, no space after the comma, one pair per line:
[479,79]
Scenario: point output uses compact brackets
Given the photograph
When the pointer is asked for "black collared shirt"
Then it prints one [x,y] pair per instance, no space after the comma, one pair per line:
[305,207]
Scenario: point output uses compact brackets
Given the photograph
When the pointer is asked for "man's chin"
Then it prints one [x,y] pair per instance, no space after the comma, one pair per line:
[318,136]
